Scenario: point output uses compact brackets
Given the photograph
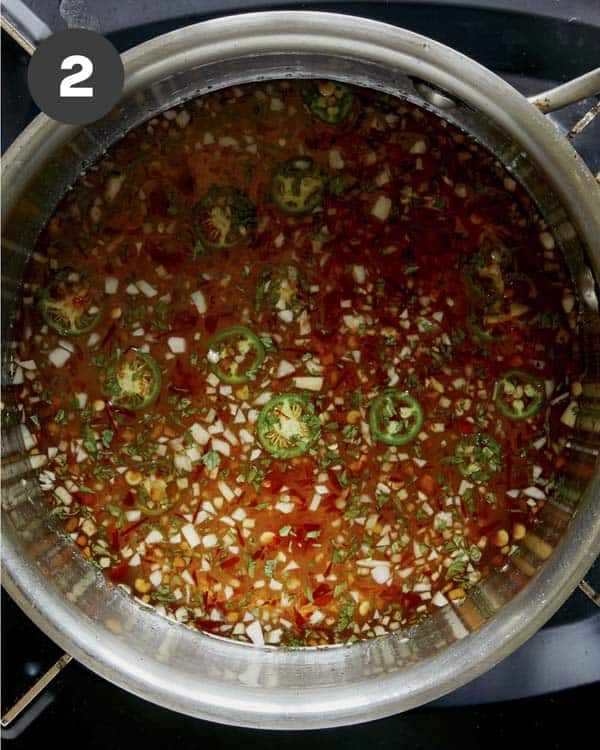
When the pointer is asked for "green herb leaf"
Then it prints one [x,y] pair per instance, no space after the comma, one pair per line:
[211,460]
[107,436]
[89,441]
[270,566]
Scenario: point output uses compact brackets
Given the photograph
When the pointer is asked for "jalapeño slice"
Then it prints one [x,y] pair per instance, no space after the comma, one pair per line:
[224,217]
[236,354]
[281,286]
[331,102]
[519,394]
[395,418]
[70,304]
[297,185]
[288,425]
[133,381]
[478,457]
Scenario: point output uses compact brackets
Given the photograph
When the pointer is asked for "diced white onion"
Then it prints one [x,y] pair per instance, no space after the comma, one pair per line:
[304,322]
[28,439]
[380,574]
[155,577]
[111,284]
[245,436]
[183,118]
[464,486]
[285,368]
[176,344]
[113,185]
[382,207]
[59,356]
[191,535]
[221,446]
[37,460]
[439,599]
[145,288]
[308,383]
[200,435]
[569,416]
[199,300]
[226,491]
[153,537]
[255,633]
[210,540]
[28,364]
[228,435]
[335,159]
[535,493]
[419,147]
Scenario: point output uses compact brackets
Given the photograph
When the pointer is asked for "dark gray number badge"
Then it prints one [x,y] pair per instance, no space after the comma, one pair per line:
[75,76]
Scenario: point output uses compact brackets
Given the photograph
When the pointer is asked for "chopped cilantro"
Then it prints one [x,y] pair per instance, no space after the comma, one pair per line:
[211,460]
[346,617]
[270,566]
[89,440]
[106,437]
[60,417]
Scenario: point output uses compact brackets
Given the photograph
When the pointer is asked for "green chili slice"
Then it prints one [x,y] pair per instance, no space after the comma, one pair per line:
[330,101]
[224,217]
[395,417]
[478,457]
[282,286]
[133,381]
[70,303]
[519,394]
[288,425]
[297,185]
[235,354]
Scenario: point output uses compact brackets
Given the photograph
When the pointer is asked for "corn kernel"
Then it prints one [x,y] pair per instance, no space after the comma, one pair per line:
[266,537]
[142,586]
[133,477]
[243,393]
[500,538]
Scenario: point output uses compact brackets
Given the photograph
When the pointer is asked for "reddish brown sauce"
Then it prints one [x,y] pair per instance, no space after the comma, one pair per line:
[423,268]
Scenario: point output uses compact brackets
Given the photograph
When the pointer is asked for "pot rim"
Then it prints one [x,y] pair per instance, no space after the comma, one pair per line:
[337,35]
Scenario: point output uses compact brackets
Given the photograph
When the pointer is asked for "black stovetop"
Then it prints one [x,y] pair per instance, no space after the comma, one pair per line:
[543,686]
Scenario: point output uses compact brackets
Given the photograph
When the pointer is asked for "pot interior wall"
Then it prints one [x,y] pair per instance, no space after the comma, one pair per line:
[68,595]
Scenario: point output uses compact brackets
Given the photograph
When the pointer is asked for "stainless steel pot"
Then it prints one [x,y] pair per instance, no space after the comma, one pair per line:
[221,680]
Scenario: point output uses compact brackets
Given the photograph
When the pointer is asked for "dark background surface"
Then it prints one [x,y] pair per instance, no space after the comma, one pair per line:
[548,40]
[534,44]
